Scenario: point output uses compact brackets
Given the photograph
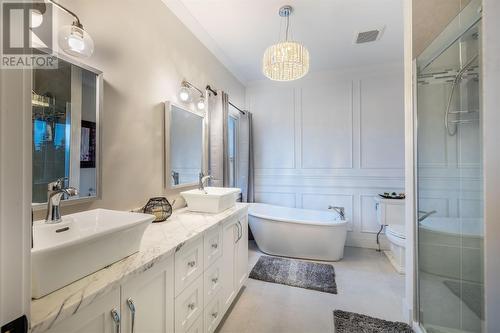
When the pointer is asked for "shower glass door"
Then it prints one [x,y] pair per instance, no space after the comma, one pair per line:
[449,167]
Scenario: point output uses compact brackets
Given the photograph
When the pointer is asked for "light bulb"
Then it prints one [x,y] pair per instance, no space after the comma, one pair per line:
[36,19]
[201,103]
[184,94]
[76,41]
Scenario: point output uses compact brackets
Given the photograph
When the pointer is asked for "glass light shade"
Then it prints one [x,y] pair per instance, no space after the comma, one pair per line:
[76,41]
[184,94]
[285,61]
[201,103]
[36,19]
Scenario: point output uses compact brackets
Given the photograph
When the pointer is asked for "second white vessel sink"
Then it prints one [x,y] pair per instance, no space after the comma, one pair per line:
[81,244]
[211,200]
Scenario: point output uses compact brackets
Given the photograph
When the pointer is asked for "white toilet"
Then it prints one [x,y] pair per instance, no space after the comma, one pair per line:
[391,214]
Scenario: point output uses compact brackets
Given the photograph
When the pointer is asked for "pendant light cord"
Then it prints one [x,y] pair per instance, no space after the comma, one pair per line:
[287,26]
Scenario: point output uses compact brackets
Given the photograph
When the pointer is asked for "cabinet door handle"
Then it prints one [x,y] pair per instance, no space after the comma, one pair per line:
[192,263]
[238,227]
[215,245]
[215,314]
[215,280]
[116,319]
[241,231]
[191,306]
[131,306]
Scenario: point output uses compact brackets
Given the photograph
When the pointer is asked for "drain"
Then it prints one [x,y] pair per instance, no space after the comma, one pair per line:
[62,229]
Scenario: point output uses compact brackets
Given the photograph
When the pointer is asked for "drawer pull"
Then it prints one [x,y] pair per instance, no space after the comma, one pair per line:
[215,245]
[191,306]
[215,280]
[192,263]
[215,314]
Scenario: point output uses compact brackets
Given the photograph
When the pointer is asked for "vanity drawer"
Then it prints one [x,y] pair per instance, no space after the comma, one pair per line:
[213,313]
[188,264]
[189,306]
[212,281]
[197,326]
[213,245]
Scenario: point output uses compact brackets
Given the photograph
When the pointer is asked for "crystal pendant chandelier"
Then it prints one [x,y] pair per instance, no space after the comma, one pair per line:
[286,60]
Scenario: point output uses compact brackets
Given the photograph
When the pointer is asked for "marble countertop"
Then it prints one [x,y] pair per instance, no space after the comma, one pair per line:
[159,241]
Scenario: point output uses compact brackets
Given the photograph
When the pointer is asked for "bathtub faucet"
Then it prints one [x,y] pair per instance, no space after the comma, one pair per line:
[339,210]
[425,215]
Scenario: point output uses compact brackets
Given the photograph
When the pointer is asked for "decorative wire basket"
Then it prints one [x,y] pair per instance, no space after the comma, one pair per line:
[159,207]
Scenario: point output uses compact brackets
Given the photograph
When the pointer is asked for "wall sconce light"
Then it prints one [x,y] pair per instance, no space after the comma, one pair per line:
[185,94]
[73,39]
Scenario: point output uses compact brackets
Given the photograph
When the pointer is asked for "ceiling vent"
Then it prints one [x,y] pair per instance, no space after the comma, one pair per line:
[368,36]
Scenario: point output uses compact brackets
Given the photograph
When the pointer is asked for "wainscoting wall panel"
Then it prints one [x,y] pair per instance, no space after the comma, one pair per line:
[326,125]
[333,138]
[278,124]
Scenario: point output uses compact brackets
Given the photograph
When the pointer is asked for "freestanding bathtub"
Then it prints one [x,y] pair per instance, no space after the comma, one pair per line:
[298,233]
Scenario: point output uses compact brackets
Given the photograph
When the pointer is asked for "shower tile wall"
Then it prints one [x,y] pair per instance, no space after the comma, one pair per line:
[332,138]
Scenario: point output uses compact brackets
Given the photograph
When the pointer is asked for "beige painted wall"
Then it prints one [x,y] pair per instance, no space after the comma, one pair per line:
[430,17]
[144,52]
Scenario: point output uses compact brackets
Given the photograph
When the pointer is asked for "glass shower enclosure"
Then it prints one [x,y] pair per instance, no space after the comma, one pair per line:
[449,179]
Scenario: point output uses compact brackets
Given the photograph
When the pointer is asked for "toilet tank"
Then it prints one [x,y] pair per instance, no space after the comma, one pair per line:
[390,211]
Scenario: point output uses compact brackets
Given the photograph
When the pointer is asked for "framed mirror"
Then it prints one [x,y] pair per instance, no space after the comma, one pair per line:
[66,104]
[184,145]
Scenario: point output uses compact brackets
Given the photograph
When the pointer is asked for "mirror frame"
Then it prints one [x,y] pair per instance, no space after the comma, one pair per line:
[98,117]
[204,162]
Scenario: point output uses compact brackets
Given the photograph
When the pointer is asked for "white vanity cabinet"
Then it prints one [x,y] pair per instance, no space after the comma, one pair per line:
[144,303]
[188,291]
[95,318]
[147,300]
[241,249]
[235,258]
[225,262]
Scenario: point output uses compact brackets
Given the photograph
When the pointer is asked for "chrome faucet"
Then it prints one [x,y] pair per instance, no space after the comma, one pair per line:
[55,192]
[339,210]
[425,214]
[203,180]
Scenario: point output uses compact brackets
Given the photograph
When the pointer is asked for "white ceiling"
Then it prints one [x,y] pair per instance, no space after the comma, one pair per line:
[238,31]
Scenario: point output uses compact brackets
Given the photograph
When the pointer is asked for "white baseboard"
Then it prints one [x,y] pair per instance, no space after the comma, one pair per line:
[416,327]
[367,243]
[407,311]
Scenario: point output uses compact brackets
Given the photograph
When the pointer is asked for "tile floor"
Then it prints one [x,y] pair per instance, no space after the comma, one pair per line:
[366,284]
[451,315]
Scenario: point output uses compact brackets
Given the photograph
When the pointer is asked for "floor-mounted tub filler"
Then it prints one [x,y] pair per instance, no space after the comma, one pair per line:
[298,233]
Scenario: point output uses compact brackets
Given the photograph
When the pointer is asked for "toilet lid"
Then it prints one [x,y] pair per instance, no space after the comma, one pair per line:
[396,230]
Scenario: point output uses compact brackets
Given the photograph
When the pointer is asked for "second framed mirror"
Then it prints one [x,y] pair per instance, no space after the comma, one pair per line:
[184,145]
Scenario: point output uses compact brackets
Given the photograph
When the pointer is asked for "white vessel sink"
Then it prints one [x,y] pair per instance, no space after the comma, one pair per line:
[81,244]
[212,200]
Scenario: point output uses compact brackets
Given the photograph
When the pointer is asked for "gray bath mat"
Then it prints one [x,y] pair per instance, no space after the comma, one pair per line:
[295,273]
[470,293]
[350,322]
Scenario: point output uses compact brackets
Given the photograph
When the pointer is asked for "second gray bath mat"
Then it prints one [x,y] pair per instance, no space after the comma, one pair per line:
[350,322]
[295,273]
